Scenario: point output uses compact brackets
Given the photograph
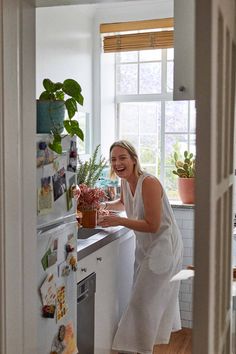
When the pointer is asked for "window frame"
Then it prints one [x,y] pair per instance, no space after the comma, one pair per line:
[163,98]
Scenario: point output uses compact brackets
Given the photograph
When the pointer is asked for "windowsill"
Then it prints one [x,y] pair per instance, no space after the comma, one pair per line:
[179,205]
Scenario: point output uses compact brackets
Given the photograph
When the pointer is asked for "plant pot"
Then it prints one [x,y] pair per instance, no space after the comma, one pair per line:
[50,116]
[89,218]
[186,189]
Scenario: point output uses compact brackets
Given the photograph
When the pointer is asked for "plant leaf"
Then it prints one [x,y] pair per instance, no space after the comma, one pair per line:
[59,95]
[45,95]
[49,85]
[71,107]
[72,127]
[58,85]
[56,144]
[72,88]
[175,156]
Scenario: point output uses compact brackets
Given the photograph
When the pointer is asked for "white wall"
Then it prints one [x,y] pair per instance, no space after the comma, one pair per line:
[64,47]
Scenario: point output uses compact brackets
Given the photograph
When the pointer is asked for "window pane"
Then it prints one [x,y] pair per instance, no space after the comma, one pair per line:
[176,114]
[192,143]
[170,76]
[148,150]
[174,142]
[127,57]
[150,115]
[129,118]
[171,184]
[150,169]
[127,79]
[170,54]
[150,55]
[133,139]
[150,78]
[192,116]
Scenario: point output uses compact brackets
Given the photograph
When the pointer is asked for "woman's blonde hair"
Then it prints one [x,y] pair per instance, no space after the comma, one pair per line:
[131,151]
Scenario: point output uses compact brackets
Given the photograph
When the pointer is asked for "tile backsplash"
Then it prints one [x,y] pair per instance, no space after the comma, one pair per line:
[185,220]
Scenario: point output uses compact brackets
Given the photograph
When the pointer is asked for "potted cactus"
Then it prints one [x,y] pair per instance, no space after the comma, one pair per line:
[57,98]
[185,170]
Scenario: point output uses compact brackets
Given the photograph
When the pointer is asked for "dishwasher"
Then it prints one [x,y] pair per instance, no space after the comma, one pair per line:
[86,289]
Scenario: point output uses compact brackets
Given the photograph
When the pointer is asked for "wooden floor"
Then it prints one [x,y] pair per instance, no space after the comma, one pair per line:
[180,343]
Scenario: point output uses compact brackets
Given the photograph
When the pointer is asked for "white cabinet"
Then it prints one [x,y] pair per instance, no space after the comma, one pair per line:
[113,265]
[184,49]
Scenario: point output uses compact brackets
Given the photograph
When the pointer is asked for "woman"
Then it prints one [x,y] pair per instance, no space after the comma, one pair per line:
[153,311]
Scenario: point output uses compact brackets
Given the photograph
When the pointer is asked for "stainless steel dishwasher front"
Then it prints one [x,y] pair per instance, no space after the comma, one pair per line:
[86,289]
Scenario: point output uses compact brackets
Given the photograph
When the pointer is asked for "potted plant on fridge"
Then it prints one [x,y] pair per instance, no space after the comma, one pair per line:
[185,170]
[51,107]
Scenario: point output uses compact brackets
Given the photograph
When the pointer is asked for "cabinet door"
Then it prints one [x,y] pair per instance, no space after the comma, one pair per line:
[184,49]
[86,266]
[125,269]
[106,299]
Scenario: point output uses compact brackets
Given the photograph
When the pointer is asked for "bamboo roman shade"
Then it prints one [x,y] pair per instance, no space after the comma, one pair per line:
[155,39]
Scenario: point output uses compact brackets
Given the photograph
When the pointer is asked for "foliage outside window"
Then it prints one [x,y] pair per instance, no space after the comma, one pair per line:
[148,117]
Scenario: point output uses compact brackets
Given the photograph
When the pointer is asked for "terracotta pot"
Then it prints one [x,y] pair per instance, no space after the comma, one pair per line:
[89,218]
[186,189]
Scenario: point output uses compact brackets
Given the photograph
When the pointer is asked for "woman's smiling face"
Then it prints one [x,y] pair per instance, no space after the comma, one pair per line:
[121,162]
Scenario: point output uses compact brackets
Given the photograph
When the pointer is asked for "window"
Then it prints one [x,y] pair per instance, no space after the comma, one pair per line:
[148,117]
[145,113]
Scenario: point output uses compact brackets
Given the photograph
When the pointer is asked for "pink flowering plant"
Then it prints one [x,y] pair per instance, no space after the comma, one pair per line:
[90,198]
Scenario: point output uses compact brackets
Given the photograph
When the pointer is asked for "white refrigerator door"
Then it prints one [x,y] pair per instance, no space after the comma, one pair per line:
[60,182]
[51,260]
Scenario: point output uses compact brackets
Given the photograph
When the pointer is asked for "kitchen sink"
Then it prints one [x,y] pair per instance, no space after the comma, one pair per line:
[84,232]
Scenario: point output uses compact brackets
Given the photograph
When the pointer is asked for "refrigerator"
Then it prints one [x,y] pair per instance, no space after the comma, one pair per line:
[56,248]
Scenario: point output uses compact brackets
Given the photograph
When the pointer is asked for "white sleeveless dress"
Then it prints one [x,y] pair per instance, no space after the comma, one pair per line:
[153,309]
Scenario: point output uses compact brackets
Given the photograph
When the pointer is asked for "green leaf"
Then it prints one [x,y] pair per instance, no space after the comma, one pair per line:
[58,85]
[72,127]
[45,95]
[71,107]
[49,85]
[175,156]
[73,89]
[60,95]
[186,154]
[56,144]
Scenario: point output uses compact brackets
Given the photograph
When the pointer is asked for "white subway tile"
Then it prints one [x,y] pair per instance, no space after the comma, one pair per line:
[188,242]
[187,261]
[188,252]
[184,306]
[186,324]
[188,224]
[186,315]
[186,297]
[187,233]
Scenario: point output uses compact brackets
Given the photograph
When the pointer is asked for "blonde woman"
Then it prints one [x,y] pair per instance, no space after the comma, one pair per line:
[153,309]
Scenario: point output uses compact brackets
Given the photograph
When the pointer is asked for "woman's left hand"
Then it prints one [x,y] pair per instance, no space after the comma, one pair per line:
[109,220]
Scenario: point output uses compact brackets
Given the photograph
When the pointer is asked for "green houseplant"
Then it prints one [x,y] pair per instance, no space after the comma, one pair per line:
[185,170]
[51,107]
[88,172]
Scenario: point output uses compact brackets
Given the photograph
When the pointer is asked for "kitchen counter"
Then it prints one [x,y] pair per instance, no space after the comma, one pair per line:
[100,239]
